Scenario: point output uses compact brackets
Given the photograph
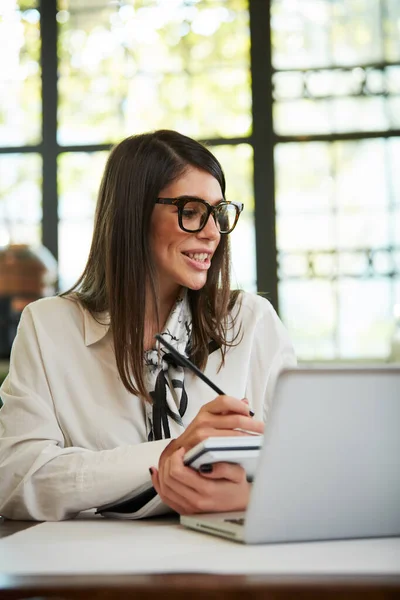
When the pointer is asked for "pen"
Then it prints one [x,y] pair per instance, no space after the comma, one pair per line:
[185,362]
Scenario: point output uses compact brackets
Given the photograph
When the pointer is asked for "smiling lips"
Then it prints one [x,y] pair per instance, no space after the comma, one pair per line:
[200,256]
[200,260]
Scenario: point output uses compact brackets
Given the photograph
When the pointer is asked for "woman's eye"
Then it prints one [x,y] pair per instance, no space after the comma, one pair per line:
[189,213]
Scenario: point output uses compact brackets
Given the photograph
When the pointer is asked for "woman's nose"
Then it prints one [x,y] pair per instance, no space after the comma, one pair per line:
[210,230]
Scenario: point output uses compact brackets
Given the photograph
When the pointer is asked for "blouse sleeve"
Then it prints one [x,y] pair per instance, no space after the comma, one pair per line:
[271,352]
[40,479]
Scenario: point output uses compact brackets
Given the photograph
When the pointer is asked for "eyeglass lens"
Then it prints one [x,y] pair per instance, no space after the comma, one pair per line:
[194,215]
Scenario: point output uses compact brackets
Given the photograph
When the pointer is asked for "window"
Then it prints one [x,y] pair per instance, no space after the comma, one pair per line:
[300,101]
[136,66]
[20,123]
[336,92]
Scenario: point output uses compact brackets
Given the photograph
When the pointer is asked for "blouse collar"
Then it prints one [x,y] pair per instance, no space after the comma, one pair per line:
[95,327]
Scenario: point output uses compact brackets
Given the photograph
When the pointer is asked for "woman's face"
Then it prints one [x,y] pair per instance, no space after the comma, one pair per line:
[175,251]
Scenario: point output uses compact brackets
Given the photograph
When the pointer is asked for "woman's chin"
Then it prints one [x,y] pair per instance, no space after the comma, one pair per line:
[196,283]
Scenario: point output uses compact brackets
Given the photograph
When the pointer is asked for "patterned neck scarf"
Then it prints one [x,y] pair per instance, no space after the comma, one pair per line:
[165,379]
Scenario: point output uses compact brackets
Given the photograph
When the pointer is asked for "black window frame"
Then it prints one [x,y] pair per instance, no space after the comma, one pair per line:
[263,139]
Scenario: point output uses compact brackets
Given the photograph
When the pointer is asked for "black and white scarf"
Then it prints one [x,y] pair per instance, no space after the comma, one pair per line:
[165,379]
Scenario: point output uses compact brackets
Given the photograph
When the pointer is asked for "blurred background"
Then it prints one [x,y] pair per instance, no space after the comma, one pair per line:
[298,99]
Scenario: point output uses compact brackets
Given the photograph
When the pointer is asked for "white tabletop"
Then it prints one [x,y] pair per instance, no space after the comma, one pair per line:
[101,546]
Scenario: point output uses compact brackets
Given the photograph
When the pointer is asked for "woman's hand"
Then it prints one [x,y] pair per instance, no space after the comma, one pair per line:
[221,417]
[224,489]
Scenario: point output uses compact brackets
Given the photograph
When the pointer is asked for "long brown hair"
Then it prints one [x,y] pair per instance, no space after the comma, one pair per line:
[120,260]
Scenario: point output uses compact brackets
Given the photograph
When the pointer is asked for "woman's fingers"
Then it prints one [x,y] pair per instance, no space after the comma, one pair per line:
[179,492]
[184,479]
[195,436]
[155,480]
[180,487]
[175,501]
[177,472]
[189,492]
[223,416]
[204,423]
[232,421]
[223,470]
[225,487]
[199,435]
[227,404]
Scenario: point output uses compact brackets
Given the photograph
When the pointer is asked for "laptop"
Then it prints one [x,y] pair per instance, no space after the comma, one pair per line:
[329,467]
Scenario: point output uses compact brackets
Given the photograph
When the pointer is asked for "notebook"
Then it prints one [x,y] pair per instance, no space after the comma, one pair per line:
[329,467]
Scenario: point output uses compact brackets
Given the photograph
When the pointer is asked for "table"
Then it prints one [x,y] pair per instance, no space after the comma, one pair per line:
[193,586]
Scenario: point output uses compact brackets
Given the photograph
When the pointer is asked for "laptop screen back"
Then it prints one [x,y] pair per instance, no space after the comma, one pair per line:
[330,464]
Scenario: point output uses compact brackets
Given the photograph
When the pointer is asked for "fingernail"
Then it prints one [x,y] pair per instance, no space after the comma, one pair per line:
[151,471]
[206,468]
[245,400]
[251,413]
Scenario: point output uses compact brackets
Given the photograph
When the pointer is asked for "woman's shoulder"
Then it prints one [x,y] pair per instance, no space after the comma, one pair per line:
[254,307]
[256,316]
[66,317]
[260,322]
[54,307]
[57,314]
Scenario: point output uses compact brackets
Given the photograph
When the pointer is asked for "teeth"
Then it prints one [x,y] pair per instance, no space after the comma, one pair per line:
[200,256]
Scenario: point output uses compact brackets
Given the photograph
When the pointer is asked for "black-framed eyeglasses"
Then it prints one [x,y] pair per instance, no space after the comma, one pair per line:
[193,213]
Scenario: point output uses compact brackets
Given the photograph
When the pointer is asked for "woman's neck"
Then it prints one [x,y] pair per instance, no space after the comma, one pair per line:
[151,326]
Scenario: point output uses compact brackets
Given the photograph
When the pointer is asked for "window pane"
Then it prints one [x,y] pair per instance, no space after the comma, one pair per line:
[370,229]
[153,64]
[20,198]
[20,84]
[396,231]
[237,163]
[361,181]
[339,115]
[356,32]
[300,33]
[338,224]
[308,309]
[337,203]
[394,112]
[310,38]
[298,117]
[315,33]
[365,318]
[302,232]
[303,178]
[394,172]
[79,180]
[73,256]
[359,114]
[391,26]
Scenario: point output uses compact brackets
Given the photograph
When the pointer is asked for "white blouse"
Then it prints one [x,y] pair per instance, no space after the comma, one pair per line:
[73,438]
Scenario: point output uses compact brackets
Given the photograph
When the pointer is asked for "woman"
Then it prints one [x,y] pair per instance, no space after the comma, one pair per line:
[91,404]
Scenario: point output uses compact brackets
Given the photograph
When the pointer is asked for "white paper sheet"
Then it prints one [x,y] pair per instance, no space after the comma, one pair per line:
[100,546]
